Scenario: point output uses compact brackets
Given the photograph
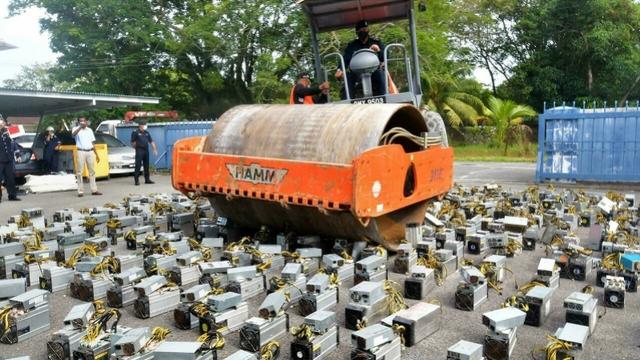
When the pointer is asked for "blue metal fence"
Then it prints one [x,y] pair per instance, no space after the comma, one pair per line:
[596,144]
[165,135]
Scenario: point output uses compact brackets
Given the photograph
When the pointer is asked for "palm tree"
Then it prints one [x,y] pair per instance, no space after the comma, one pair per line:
[507,116]
[454,99]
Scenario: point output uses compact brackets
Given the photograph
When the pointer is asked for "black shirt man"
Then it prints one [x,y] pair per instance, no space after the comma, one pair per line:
[364,41]
[140,140]
[7,162]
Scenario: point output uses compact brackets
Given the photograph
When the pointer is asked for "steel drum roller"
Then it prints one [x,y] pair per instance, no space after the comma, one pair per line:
[320,134]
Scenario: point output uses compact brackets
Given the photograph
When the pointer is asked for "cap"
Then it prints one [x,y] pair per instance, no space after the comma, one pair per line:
[362,23]
[304,75]
[50,128]
[142,122]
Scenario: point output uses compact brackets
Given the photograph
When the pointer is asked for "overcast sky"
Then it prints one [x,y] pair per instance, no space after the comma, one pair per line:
[24,32]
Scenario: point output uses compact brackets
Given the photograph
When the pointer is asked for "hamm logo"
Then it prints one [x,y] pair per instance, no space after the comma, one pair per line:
[256,174]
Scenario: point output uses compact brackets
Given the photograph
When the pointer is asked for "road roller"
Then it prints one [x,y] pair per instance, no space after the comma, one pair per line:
[361,167]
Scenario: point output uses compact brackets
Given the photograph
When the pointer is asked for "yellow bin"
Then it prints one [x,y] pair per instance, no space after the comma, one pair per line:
[102,168]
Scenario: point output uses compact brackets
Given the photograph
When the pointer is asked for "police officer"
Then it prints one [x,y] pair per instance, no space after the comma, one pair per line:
[51,151]
[8,149]
[140,140]
[364,41]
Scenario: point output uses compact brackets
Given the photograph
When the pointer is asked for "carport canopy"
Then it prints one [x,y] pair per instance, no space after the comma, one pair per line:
[27,102]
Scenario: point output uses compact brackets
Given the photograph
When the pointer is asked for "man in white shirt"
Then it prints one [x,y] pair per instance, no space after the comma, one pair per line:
[87,155]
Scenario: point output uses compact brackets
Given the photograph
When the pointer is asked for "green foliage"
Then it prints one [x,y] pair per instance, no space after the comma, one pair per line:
[507,118]
[457,100]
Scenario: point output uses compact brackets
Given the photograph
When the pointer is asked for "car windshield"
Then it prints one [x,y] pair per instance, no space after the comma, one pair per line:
[25,138]
[109,140]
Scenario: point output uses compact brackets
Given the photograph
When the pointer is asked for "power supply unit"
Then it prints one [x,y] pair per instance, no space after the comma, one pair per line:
[366,299]
[158,302]
[324,340]
[182,316]
[465,350]
[576,336]
[227,314]
[376,342]
[503,319]
[468,297]
[371,268]
[457,249]
[184,222]
[135,238]
[126,262]
[131,342]
[614,292]
[538,300]
[155,263]
[498,262]
[87,288]
[419,283]
[406,258]
[29,316]
[257,331]
[582,310]
[185,275]
[601,275]
[425,246]
[31,272]
[335,264]
[247,288]
[12,287]
[242,355]
[319,295]
[179,350]
[419,321]
[530,237]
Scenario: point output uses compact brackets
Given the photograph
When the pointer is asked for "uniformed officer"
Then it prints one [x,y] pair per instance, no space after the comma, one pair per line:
[140,140]
[7,161]
[364,41]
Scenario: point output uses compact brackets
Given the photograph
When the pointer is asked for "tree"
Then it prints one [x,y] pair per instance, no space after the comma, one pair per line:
[575,48]
[38,76]
[507,117]
[454,99]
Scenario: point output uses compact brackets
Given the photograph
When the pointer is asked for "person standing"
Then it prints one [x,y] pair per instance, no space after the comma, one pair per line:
[87,155]
[7,162]
[51,151]
[140,140]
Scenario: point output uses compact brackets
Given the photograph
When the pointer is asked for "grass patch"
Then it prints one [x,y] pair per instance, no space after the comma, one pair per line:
[486,153]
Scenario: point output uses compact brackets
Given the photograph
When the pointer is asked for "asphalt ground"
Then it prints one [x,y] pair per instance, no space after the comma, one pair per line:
[616,335]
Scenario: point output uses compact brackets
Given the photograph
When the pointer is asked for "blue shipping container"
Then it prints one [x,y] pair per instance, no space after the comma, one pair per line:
[589,145]
[165,134]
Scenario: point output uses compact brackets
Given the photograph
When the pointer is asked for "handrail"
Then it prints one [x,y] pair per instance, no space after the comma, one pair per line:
[406,66]
[343,68]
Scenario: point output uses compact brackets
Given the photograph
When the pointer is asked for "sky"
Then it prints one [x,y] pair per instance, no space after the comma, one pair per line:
[22,31]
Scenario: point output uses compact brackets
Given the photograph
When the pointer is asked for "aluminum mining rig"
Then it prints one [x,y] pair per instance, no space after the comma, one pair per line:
[419,283]
[322,338]
[367,299]
[376,342]
[226,313]
[26,316]
[155,297]
[321,294]
[272,324]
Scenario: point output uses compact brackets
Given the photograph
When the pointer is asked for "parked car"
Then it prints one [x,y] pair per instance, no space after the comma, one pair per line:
[121,156]
[25,140]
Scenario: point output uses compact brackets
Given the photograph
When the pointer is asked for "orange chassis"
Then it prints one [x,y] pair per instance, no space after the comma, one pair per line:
[371,186]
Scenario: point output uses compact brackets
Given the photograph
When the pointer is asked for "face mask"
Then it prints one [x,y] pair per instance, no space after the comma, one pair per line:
[362,35]
[144,127]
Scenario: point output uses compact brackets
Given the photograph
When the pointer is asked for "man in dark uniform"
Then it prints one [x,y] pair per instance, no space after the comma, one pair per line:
[7,161]
[304,93]
[140,140]
[364,41]
[51,151]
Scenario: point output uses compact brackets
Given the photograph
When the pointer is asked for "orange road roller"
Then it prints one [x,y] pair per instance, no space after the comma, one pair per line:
[359,172]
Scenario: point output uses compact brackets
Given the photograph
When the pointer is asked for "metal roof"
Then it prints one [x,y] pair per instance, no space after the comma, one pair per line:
[327,15]
[28,102]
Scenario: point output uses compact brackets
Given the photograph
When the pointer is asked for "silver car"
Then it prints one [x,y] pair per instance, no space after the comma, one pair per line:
[122,157]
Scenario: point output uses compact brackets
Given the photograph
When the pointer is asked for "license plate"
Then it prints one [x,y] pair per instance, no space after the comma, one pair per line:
[370,100]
